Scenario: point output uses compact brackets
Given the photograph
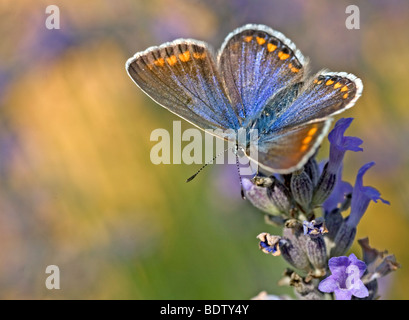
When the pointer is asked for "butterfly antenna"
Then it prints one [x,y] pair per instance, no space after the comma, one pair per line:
[241,181]
[206,164]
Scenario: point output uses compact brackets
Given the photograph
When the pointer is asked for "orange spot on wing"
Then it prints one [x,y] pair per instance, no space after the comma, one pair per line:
[304,147]
[307,140]
[283,55]
[337,85]
[271,47]
[185,56]
[159,62]
[329,82]
[312,131]
[248,38]
[260,41]
[345,95]
[344,88]
[315,80]
[319,82]
[293,69]
[198,55]
[171,60]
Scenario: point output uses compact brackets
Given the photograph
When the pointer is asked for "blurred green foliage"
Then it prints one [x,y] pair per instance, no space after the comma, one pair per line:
[77,186]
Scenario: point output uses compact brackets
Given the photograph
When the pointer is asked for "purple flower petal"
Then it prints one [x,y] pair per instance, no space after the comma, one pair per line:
[362,196]
[342,294]
[339,144]
[338,265]
[369,192]
[361,291]
[338,140]
[353,260]
[328,285]
[345,280]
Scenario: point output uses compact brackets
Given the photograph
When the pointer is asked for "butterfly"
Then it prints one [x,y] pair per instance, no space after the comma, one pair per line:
[257,80]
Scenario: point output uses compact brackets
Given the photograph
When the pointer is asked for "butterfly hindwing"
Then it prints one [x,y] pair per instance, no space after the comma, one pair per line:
[288,149]
[255,63]
[182,77]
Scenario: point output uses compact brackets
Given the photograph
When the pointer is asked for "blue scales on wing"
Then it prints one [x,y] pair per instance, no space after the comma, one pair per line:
[256,62]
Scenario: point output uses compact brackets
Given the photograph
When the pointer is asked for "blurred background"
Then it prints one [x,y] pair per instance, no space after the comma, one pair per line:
[78,189]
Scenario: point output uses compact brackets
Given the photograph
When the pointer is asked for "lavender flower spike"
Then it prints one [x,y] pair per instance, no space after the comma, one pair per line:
[361,196]
[345,280]
[339,144]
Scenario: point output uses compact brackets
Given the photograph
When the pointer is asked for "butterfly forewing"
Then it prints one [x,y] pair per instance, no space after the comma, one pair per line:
[256,62]
[182,77]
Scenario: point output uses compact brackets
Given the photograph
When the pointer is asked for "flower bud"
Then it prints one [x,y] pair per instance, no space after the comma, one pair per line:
[257,195]
[292,248]
[279,195]
[312,169]
[325,186]
[302,189]
[316,251]
[314,242]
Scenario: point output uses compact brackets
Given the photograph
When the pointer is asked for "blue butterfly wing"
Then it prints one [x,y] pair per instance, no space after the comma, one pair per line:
[326,94]
[275,107]
[182,77]
[256,62]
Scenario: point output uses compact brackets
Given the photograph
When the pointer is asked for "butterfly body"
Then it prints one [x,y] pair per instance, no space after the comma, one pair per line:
[257,81]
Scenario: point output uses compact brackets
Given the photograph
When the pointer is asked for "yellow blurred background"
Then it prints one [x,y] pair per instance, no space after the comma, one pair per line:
[78,189]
